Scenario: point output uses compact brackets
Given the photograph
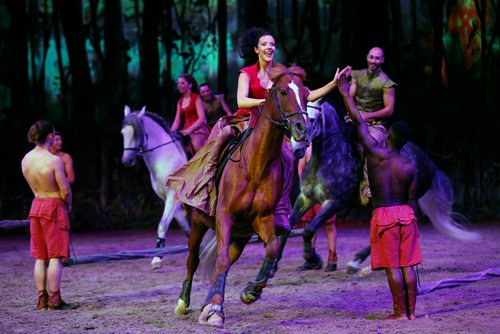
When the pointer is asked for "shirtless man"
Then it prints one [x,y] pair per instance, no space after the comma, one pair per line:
[393,228]
[67,160]
[49,220]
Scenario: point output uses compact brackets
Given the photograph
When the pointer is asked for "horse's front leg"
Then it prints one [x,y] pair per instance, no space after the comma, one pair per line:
[264,226]
[163,225]
[212,313]
[195,237]
[301,205]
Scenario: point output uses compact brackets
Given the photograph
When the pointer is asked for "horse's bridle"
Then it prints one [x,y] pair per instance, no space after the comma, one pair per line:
[285,122]
[140,149]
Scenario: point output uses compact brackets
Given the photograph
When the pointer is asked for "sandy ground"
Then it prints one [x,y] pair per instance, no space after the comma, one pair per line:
[126,296]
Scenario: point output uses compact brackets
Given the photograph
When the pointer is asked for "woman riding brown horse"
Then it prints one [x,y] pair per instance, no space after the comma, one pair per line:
[249,190]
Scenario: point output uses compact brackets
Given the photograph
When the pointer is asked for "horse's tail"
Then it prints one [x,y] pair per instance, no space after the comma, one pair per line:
[437,205]
[208,255]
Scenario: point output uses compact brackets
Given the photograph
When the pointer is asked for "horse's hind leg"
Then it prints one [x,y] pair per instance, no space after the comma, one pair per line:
[328,209]
[195,237]
[180,217]
[265,229]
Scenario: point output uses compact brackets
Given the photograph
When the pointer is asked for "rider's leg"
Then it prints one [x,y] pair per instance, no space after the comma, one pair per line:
[198,140]
[331,235]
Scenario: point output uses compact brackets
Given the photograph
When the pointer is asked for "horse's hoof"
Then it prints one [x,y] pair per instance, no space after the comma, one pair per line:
[353,266]
[249,295]
[202,319]
[211,318]
[247,298]
[181,307]
[156,263]
[314,264]
[366,271]
[215,321]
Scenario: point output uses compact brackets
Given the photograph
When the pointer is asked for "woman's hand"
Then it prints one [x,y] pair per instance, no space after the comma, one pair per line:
[346,71]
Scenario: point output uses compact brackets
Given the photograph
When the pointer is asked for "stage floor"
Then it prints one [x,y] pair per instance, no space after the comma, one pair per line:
[126,296]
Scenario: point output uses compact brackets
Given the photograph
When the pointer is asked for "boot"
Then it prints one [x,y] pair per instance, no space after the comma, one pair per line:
[314,263]
[411,300]
[43,298]
[331,265]
[399,308]
[55,301]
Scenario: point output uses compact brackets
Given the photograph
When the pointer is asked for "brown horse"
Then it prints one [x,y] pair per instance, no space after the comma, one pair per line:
[250,188]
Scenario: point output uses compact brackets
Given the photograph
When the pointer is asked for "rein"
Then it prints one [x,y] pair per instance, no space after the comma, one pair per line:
[140,151]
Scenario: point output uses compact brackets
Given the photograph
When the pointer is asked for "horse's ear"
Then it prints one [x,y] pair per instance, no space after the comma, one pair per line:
[142,112]
[126,110]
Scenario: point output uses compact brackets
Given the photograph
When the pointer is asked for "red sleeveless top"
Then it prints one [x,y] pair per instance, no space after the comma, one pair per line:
[188,114]
[256,91]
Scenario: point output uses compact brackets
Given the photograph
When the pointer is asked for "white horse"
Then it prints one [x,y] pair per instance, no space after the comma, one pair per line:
[146,134]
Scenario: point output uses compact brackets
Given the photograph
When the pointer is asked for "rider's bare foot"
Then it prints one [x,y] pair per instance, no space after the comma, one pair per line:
[411,317]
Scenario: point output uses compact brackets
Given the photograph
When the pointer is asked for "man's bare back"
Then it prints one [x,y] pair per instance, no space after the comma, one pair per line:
[45,175]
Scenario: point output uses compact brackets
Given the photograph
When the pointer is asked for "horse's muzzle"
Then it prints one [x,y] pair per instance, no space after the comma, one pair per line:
[129,161]
[299,131]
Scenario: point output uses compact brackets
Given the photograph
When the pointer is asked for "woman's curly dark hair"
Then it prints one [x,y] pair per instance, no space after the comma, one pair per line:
[249,40]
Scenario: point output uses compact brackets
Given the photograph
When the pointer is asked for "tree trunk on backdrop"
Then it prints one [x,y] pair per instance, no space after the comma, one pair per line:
[479,142]
[114,88]
[395,31]
[347,54]
[317,42]
[222,53]
[83,122]
[36,34]
[63,94]
[18,114]
[167,29]
[150,58]
[434,117]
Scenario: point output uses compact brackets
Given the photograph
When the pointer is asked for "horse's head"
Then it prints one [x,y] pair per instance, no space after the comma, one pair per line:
[133,136]
[314,115]
[290,99]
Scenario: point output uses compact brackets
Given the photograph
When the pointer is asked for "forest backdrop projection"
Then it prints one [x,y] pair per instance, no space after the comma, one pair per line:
[77,63]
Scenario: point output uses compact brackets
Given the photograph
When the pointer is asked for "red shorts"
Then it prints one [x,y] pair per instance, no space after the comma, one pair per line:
[49,228]
[312,212]
[394,238]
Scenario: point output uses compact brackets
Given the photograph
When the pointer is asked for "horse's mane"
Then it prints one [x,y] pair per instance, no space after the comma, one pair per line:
[279,70]
[154,116]
[159,119]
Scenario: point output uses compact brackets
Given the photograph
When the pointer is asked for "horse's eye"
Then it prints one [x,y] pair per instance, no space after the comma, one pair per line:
[283,92]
